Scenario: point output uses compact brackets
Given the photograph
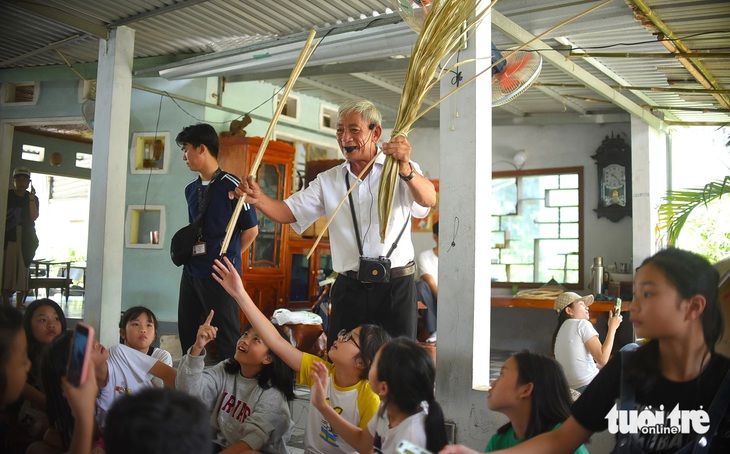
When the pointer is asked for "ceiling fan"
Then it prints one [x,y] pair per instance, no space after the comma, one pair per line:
[87,112]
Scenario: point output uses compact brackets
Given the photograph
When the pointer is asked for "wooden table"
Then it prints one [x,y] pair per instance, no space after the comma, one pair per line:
[40,277]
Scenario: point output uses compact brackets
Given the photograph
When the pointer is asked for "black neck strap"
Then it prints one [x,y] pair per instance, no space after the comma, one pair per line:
[203,201]
[357,230]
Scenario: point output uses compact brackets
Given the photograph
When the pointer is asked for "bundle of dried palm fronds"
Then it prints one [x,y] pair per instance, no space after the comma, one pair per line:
[444,31]
[447,25]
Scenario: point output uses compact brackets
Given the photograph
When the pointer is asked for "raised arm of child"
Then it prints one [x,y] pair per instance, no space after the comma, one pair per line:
[82,401]
[602,352]
[563,440]
[206,333]
[358,438]
[226,275]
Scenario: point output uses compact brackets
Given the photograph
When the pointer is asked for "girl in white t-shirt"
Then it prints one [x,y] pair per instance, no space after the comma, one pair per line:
[403,376]
[138,329]
[123,370]
[575,340]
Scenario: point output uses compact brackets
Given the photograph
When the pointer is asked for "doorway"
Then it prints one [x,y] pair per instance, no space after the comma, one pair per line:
[58,153]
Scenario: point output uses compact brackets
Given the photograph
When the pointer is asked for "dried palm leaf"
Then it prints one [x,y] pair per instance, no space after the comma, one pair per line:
[447,24]
[304,55]
[442,34]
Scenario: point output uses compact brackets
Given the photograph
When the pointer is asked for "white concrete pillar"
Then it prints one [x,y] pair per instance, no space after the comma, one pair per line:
[464,244]
[102,302]
[649,180]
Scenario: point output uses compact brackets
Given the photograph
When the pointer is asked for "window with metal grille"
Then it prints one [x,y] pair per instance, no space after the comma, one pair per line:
[536,226]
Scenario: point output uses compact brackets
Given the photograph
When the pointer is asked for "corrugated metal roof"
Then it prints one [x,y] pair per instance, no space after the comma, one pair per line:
[177,27]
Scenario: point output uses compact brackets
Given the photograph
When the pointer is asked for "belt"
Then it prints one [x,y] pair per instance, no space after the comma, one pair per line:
[400,271]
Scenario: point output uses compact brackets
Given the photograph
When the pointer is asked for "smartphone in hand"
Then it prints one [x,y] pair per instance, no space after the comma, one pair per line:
[406,447]
[80,355]
[617,307]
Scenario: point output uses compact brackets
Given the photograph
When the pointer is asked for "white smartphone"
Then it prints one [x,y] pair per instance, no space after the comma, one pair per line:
[406,447]
[80,354]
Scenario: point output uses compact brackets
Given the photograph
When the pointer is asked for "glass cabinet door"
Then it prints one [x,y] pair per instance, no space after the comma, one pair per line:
[303,285]
[266,249]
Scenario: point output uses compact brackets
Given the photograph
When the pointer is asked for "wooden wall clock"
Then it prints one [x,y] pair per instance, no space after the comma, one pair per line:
[613,159]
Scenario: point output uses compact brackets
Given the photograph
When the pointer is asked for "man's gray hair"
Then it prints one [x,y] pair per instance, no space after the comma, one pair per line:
[364,108]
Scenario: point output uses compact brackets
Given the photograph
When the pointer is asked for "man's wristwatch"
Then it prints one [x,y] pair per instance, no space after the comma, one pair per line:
[408,177]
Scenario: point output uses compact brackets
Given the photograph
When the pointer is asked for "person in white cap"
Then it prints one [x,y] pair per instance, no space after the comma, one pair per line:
[19,232]
[575,340]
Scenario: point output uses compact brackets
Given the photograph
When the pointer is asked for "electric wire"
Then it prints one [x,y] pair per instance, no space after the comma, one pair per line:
[149,176]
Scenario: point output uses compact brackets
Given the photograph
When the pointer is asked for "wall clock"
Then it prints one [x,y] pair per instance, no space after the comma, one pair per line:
[613,159]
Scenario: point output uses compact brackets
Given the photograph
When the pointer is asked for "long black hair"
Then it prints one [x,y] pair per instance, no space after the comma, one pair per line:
[11,322]
[409,371]
[53,367]
[562,317]
[690,274]
[35,348]
[276,374]
[550,399]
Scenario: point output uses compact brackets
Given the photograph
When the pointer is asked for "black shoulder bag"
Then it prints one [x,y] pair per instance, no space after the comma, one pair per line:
[183,241]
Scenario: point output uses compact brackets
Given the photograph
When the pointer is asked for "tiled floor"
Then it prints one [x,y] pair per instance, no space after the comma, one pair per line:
[73,309]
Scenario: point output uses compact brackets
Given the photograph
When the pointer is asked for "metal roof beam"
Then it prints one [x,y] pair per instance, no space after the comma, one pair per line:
[694,65]
[565,119]
[52,46]
[343,93]
[511,109]
[610,73]
[392,64]
[561,99]
[555,58]
[56,14]
[389,86]
[156,12]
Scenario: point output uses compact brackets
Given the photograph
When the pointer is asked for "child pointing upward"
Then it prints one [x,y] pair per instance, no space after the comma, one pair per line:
[347,388]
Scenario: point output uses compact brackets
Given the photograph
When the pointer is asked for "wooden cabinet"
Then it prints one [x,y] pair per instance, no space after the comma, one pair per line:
[275,268]
[263,266]
[302,286]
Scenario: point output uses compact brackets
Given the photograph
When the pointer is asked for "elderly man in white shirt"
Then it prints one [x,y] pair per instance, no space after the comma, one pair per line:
[354,233]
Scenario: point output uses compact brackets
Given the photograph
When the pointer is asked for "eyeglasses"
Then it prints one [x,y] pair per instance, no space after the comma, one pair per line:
[346,336]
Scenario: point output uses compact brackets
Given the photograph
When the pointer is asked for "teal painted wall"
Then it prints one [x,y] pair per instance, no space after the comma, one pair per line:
[150,277]
[56,99]
[66,148]
[245,96]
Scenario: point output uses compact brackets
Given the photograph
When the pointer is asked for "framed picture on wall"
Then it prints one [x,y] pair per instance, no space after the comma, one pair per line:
[426,224]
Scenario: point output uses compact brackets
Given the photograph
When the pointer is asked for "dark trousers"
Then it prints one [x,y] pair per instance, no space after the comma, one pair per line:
[425,295]
[392,306]
[197,298]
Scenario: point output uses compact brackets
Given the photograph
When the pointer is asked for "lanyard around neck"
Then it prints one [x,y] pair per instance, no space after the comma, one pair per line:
[203,191]
[357,230]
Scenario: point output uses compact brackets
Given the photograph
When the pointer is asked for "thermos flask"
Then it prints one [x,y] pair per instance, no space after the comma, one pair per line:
[597,276]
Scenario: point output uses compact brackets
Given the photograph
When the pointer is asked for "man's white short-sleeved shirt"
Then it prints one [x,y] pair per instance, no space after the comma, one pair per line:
[323,195]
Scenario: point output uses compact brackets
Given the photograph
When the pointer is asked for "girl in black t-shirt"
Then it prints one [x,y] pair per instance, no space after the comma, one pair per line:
[678,373]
